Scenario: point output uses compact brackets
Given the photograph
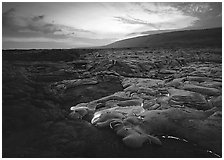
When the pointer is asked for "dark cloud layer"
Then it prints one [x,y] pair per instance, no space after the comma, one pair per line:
[35,24]
[8,18]
[37,18]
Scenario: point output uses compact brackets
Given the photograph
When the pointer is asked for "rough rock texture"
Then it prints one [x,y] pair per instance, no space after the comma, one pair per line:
[200,127]
[155,93]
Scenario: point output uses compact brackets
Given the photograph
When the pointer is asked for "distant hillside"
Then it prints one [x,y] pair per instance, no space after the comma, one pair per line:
[187,38]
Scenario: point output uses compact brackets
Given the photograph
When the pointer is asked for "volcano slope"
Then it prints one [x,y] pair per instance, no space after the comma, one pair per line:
[112,103]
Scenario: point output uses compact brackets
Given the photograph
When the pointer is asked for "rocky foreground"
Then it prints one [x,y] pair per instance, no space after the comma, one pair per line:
[112,103]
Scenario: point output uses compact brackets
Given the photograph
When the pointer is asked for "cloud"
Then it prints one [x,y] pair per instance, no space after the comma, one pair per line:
[131,20]
[37,24]
[153,26]
[8,18]
[158,8]
[157,16]
[32,39]
[193,8]
[112,21]
[27,31]
[37,18]
[209,14]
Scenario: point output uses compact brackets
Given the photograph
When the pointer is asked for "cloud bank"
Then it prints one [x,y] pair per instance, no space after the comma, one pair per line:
[94,24]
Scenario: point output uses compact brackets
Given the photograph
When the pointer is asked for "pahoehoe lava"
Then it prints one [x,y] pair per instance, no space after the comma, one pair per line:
[124,102]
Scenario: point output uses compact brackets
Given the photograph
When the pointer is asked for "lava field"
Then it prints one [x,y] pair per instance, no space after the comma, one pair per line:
[112,103]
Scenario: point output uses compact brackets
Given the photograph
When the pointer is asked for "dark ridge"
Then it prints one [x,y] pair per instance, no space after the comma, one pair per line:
[187,38]
[43,54]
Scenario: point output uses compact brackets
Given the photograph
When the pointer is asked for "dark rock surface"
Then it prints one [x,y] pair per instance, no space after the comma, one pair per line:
[40,86]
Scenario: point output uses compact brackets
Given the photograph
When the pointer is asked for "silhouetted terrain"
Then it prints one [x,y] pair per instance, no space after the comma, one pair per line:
[188,38]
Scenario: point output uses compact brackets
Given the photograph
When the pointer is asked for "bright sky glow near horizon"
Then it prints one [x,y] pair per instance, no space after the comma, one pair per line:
[86,24]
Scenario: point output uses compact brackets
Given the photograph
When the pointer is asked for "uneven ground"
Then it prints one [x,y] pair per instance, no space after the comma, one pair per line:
[40,86]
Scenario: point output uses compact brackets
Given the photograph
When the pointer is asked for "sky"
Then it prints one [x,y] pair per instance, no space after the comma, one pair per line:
[89,24]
